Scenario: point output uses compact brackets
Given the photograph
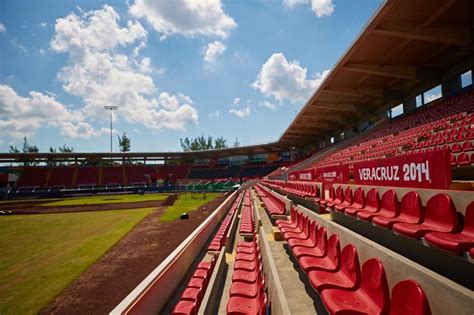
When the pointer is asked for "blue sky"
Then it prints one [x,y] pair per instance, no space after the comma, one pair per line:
[237,69]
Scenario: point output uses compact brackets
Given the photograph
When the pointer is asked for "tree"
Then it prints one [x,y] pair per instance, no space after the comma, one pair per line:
[124,143]
[13,149]
[202,144]
[27,148]
[66,149]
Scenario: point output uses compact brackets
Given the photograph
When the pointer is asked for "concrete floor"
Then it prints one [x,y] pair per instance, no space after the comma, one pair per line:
[301,297]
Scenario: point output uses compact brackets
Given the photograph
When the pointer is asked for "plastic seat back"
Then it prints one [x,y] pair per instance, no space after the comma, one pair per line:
[408,298]
[469,219]
[322,239]
[440,212]
[373,198]
[348,195]
[313,233]
[359,197]
[339,193]
[332,193]
[350,264]
[334,249]
[374,284]
[410,207]
[390,202]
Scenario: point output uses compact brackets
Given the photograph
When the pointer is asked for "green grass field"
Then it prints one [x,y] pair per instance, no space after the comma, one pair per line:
[40,255]
[106,199]
[186,204]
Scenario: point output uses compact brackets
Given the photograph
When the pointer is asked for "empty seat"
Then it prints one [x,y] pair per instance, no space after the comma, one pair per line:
[440,216]
[411,211]
[467,146]
[339,197]
[455,242]
[389,207]
[408,298]
[347,200]
[347,277]
[246,305]
[308,242]
[318,250]
[371,297]
[463,159]
[372,203]
[330,261]
[185,307]
[358,202]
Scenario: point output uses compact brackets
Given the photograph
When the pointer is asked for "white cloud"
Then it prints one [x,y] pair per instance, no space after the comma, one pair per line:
[42,51]
[185,17]
[320,7]
[236,101]
[268,105]
[292,3]
[99,74]
[19,46]
[3,29]
[213,50]
[432,97]
[216,114]
[43,25]
[241,113]
[24,116]
[282,80]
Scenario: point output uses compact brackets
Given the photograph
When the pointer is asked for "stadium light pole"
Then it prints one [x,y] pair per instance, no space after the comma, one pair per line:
[110,108]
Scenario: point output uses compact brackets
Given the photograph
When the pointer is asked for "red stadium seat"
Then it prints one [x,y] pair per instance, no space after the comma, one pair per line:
[347,200]
[310,241]
[239,305]
[347,277]
[463,159]
[411,211]
[456,242]
[358,202]
[319,250]
[330,261]
[339,197]
[185,307]
[298,229]
[293,220]
[372,203]
[389,207]
[371,297]
[440,216]
[304,237]
[304,234]
[409,298]
[467,146]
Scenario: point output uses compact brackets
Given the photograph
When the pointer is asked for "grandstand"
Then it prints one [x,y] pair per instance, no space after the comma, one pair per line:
[373,214]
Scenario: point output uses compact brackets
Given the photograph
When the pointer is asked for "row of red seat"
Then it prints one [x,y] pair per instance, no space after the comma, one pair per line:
[246,219]
[438,222]
[220,237]
[247,291]
[462,159]
[273,204]
[192,296]
[302,189]
[336,275]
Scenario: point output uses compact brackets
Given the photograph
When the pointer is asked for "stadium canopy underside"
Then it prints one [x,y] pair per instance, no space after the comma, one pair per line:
[407,47]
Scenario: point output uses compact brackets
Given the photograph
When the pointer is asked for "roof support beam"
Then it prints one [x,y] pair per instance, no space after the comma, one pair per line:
[400,71]
[324,117]
[366,92]
[453,35]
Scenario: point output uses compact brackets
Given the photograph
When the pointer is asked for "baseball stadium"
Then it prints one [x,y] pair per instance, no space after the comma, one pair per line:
[362,204]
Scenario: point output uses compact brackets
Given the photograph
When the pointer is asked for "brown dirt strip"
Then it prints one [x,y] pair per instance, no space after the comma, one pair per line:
[107,282]
[35,208]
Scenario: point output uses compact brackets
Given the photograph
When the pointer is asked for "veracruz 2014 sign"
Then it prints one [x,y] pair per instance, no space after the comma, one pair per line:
[420,170]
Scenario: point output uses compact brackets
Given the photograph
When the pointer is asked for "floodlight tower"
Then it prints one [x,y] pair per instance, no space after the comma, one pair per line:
[110,108]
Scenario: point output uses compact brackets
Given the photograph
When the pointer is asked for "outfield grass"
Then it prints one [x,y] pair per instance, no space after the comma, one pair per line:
[40,255]
[185,203]
[105,199]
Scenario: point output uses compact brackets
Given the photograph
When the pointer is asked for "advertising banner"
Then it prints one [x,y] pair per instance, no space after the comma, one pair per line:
[332,174]
[420,170]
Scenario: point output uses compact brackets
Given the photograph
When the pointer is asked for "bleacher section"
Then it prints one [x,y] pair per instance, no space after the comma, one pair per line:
[61,177]
[448,123]
[137,174]
[112,176]
[87,176]
[32,177]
